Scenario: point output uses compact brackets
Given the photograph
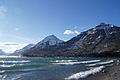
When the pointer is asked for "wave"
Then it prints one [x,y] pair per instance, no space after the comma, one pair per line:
[85,73]
[81,62]
[2,71]
[25,70]
[3,65]
[7,77]
[9,56]
[101,63]
[64,61]
[23,61]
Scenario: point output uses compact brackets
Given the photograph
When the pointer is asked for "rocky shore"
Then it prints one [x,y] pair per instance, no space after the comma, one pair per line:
[109,73]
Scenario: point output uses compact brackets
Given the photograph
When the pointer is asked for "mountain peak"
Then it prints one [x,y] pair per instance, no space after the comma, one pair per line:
[102,23]
[49,41]
[51,37]
[103,26]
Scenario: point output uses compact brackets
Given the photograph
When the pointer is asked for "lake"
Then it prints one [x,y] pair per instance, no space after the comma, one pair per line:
[26,68]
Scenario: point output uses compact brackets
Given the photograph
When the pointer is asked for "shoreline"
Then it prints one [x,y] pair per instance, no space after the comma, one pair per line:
[109,73]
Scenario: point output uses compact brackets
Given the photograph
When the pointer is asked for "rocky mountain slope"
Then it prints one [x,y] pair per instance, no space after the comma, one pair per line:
[102,40]
[1,52]
[23,50]
[44,44]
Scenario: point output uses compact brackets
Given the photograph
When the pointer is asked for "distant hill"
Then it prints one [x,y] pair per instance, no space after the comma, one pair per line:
[102,40]
[2,53]
[44,44]
[23,50]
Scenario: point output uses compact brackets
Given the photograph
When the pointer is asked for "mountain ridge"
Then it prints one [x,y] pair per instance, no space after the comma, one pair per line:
[1,52]
[102,40]
[24,49]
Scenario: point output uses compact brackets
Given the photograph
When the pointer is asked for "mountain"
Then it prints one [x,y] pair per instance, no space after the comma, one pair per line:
[101,40]
[24,49]
[48,41]
[1,52]
[45,43]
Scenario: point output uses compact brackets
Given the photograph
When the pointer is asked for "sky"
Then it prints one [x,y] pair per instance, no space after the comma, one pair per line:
[29,21]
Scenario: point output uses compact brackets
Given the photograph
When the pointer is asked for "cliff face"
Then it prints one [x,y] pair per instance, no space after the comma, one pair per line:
[102,40]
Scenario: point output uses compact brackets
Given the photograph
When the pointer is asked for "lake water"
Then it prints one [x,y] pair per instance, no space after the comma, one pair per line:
[16,68]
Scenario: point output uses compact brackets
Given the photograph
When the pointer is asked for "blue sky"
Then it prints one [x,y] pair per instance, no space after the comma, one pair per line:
[29,21]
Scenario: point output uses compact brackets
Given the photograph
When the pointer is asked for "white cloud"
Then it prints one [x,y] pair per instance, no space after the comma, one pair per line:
[68,32]
[10,47]
[3,11]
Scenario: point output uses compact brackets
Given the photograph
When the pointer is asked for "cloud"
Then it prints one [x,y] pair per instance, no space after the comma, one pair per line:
[11,44]
[10,47]
[3,11]
[68,32]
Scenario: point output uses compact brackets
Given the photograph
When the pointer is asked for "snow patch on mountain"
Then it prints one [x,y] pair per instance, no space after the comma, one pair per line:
[103,26]
[48,41]
[95,31]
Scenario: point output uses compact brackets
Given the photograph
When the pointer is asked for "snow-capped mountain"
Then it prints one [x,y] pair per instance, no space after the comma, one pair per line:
[101,40]
[95,33]
[48,41]
[103,26]
[1,52]
[27,47]
[24,49]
